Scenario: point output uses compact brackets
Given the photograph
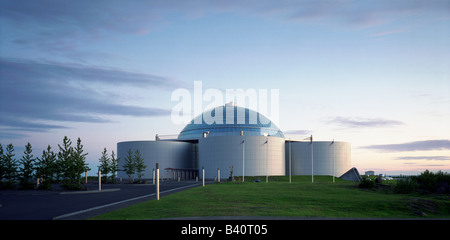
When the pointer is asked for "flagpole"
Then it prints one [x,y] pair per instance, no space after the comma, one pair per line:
[312,160]
[243,160]
[267,158]
[290,164]
[267,151]
[334,160]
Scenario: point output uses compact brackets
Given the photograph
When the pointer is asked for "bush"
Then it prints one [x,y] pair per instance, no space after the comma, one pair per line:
[366,183]
[70,186]
[434,182]
[406,185]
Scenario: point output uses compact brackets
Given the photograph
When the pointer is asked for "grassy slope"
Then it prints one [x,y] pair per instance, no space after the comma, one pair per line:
[281,198]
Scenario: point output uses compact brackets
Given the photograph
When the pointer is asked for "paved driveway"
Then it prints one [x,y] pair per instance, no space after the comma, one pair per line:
[46,205]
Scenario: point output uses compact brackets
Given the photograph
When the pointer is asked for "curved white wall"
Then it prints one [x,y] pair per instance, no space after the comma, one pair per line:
[169,154]
[328,159]
[222,152]
[226,151]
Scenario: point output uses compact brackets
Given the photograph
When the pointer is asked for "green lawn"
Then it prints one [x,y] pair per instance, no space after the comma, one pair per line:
[281,198]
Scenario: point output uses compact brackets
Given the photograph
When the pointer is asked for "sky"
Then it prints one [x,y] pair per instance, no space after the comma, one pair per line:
[374,73]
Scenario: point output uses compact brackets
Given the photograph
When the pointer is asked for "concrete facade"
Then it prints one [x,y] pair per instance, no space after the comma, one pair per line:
[263,155]
[329,158]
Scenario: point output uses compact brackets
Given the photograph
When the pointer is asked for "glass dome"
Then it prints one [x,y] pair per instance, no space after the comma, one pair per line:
[230,121]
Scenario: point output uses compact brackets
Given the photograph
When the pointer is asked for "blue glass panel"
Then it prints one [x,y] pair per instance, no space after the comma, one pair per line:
[258,128]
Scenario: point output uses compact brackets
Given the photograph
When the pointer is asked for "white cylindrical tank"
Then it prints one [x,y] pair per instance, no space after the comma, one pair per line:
[263,155]
[328,158]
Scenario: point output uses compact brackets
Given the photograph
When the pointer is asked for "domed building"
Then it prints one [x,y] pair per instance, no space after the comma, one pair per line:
[230,120]
[232,138]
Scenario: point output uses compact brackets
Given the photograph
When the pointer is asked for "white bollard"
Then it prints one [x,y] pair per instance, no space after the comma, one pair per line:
[157,181]
[99,180]
[203,175]
[218,174]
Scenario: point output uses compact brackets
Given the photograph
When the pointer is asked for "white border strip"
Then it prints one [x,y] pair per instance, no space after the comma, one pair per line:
[115,203]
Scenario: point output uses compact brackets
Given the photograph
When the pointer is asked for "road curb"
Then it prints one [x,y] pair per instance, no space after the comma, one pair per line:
[69,215]
[91,191]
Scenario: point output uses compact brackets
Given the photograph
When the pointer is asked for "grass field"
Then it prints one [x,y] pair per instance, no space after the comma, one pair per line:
[323,198]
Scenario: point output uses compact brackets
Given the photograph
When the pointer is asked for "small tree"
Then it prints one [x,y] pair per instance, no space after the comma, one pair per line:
[79,159]
[129,166]
[66,164]
[27,168]
[10,166]
[45,167]
[2,162]
[114,166]
[104,166]
[139,163]
[64,159]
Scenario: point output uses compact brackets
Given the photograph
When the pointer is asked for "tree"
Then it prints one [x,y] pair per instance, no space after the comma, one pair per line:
[10,166]
[104,166]
[45,167]
[66,165]
[80,164]
[2,162]
[27,168]
[114,166]
[129,166]
[139,163]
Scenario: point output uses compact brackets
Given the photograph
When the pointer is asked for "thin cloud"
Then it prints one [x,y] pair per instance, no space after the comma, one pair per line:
[33,72]
[425,165]
[33,93]
[384,33]
[426,145]
[90,20]
[427,158]
[65,28]
[20,124]
[364,122]
[298,132]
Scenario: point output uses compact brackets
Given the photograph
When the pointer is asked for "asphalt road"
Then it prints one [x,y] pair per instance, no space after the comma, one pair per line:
[64,205]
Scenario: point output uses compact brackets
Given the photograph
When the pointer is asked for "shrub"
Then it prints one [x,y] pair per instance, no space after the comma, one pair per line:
[406,185]
[366,183]
[434,182]
[70,186]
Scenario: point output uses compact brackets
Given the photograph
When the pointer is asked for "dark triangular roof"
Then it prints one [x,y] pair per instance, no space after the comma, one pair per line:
[351,175]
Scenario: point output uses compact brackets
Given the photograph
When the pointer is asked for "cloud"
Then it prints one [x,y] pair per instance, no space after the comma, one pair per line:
[365,122]
[426,145]
[299,132]
[63,24]
[34,93]
[427,158]
[384,33]
[354,14]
